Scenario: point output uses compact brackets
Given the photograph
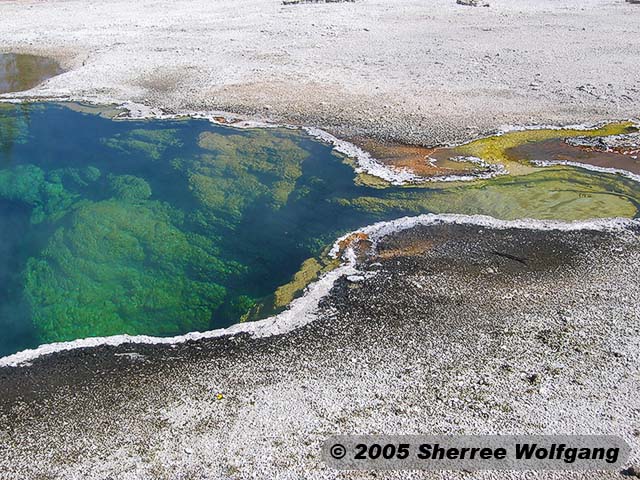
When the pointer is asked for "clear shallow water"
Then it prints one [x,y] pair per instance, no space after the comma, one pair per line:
[23,72]
[165,227]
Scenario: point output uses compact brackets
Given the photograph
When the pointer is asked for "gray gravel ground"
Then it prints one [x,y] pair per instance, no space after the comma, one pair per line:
[422,71]
[449,337]
[454,337]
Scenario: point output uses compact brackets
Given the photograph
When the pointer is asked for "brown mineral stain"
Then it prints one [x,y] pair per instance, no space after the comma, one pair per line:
[423,161]
[417,246]
[23,72]
[559,151]
[225,120]
[622,150]
[358,240]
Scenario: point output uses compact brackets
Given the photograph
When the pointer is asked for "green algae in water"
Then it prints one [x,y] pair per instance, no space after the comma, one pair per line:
[164,227]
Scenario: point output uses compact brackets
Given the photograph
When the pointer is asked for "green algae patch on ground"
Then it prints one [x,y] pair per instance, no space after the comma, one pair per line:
[495,149]
[447,167]
[163,227]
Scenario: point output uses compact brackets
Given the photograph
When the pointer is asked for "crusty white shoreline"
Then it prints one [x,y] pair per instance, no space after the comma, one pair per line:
[365,162]
[586,166]
[303,309]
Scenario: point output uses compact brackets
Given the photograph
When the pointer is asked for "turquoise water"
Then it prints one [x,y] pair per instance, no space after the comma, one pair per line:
[156,227]
[164,227]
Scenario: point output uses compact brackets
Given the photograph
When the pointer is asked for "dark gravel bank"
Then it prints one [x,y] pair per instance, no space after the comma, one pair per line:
[462,330]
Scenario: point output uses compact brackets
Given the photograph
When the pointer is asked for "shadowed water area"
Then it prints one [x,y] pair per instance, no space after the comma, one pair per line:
[163,227]
[23,72]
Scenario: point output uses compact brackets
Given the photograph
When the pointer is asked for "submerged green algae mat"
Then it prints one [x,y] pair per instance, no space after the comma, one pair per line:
[165,227]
